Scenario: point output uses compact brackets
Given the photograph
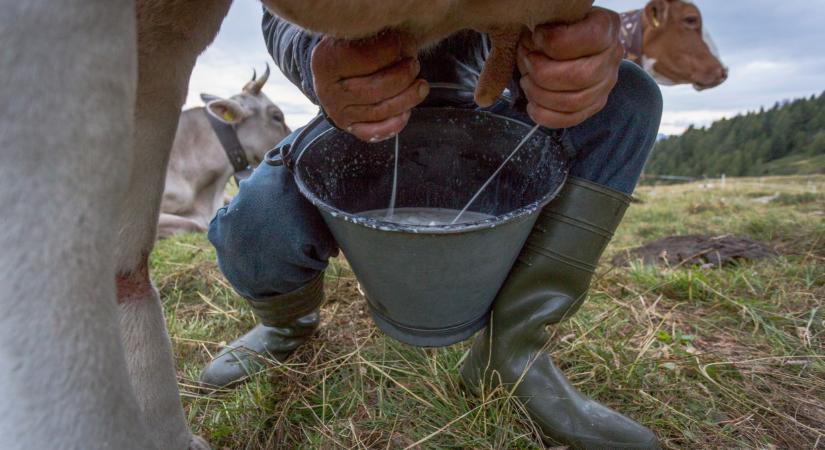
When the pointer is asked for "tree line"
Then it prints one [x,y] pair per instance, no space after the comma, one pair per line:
[753,144]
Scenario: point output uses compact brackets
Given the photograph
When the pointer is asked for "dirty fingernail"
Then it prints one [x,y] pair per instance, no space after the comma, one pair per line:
[423,90]
[527,64]
[415,67]
[538,36]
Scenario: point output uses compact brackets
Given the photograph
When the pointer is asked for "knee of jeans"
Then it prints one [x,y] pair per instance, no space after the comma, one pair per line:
[258,261]
[259,283]
[270,240]
[639,95]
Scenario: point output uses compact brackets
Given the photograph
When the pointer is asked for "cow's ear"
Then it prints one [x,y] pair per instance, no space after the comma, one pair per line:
[656,13]
[226,110]
[206,98]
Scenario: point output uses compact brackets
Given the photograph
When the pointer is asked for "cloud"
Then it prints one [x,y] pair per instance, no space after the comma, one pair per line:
[227,65]
[773,50]
[225,79]
[675,122]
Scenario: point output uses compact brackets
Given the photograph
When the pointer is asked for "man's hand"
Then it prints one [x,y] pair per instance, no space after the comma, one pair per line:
[568,71]
[368,87]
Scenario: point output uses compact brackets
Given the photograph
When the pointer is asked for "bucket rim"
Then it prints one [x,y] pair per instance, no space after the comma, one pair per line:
[383,225]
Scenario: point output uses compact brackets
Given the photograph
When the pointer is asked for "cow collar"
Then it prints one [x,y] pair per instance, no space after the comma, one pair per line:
[632,38]
[228,137]
[631,35]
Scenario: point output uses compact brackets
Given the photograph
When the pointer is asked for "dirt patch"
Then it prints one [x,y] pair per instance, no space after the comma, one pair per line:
[697,250]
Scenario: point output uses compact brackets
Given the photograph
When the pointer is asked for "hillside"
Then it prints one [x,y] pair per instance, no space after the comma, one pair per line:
[787,139]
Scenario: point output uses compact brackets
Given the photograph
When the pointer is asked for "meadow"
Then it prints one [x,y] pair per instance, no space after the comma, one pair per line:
[708,357]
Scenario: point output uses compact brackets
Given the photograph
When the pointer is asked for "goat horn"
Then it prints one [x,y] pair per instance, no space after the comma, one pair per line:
[254,74]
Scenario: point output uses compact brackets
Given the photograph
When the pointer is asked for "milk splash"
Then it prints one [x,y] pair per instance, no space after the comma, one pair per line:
[424,217]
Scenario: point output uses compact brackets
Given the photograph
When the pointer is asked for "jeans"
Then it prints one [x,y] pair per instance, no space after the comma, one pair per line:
[270,240]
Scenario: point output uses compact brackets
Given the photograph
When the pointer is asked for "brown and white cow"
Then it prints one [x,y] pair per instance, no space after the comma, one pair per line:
[199,166]
[91,96]
[670,40]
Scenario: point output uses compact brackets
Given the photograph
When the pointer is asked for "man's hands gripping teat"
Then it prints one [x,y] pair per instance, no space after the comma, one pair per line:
[568,71]
[368,86]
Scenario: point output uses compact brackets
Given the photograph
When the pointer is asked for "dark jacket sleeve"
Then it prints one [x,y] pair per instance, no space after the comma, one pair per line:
[291,48]
[452,67]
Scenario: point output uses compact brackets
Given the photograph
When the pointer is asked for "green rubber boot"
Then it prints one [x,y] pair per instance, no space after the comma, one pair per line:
[287,321]
[546,285]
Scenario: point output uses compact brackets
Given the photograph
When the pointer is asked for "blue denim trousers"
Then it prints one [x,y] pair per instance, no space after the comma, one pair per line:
[270,240]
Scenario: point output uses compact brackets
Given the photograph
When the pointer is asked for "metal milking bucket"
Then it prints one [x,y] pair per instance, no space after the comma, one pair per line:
[431,285]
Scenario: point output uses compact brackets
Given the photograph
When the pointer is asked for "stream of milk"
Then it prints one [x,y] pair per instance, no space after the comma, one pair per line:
[391,209]
[430,217]
[424,217]
[487,183]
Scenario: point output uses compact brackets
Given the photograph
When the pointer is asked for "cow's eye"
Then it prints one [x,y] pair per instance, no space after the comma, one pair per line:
[278,116]
[691,21]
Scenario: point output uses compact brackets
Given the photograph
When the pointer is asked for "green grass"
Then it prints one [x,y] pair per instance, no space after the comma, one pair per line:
[707,357]
[795,165]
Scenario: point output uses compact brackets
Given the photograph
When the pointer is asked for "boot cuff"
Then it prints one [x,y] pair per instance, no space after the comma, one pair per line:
[619,197]
[281,310]
[591,205]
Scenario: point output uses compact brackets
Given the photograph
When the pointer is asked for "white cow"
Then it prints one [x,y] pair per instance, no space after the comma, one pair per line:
[199,166]
[90,96]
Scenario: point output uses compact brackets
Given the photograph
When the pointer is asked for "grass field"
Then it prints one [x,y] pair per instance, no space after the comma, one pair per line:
[709,358]
[795,165]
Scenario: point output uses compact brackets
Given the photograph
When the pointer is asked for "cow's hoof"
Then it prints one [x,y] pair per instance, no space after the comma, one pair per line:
[198,443]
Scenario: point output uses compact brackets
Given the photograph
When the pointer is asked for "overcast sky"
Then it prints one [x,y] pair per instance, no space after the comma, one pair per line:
[775,50]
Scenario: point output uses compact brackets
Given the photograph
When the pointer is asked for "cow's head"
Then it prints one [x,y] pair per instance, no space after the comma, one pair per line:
[259,123]
[677,46]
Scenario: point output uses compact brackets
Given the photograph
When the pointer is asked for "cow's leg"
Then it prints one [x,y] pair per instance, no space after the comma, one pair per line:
[171,224]
[149,358]
[170,37]
[67,84]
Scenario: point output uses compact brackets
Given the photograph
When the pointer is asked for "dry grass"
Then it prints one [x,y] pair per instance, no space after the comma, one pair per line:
[707,357]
